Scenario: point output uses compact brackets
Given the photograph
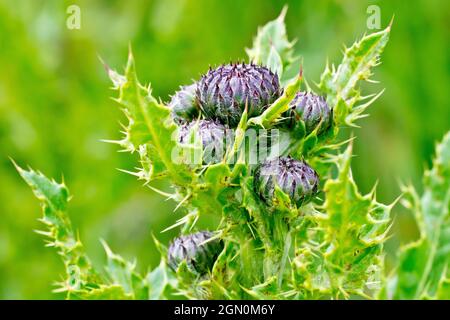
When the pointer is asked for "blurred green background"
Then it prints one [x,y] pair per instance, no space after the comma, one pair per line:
[55,108]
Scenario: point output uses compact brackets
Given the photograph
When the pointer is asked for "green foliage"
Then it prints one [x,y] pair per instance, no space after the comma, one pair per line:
[423,267]
[59,233]
[329,248]
[339,84]
[149,130]
[344,258]
[121,273]
[272,48]
[81,280]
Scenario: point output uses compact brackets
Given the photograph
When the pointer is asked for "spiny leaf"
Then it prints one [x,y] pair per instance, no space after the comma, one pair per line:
[354,229]
[424,262]
[82,281]
[274,62]
[339,85]
[160,281]
[123,273]
[271,43]
[54,197]
[150,129]
[104,292]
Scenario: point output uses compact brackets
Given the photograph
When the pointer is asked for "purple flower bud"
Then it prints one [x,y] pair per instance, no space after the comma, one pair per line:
[223,92]
[184,104]
[213,135]
[199,253]
[312,109]
[295,178]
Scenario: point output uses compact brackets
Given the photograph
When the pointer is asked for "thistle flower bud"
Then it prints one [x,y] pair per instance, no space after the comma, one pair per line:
[213,136]
[295,178]
[224,92]
[199,253]
[184,104]
[312,109]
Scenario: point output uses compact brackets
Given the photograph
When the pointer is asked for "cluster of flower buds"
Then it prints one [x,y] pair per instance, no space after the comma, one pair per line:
[223,93]
[215,103]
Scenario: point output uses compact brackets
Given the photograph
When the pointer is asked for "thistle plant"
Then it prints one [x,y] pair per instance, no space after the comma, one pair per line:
[293,223]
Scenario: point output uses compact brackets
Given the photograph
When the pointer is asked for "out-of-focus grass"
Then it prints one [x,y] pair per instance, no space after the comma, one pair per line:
[55,107]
